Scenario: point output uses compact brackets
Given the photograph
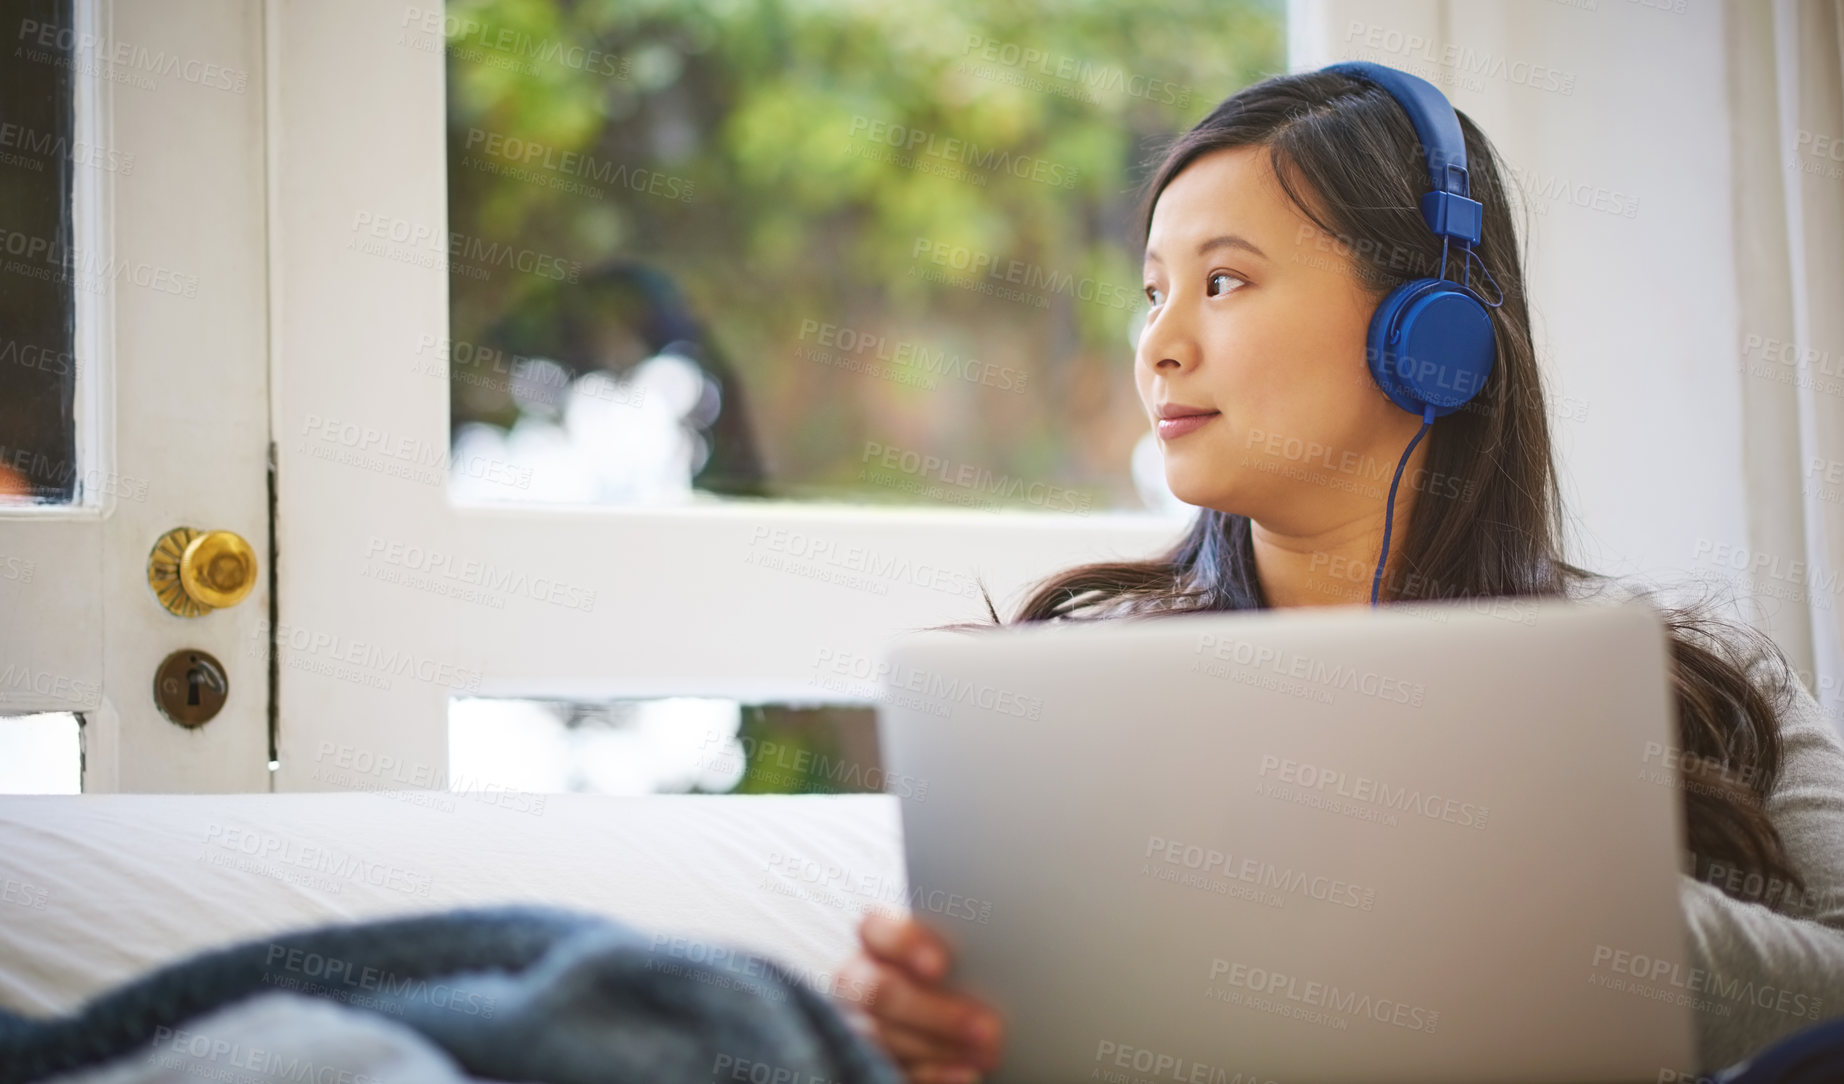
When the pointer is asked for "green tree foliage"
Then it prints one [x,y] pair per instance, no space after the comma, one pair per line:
[745,149]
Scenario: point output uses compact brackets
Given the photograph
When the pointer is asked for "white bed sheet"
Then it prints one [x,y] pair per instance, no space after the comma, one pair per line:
[96,889]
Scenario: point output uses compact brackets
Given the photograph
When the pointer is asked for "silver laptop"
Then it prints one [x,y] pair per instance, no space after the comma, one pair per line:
[1431,842]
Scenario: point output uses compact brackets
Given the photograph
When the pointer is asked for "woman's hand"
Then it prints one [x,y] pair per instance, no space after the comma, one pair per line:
[892,992]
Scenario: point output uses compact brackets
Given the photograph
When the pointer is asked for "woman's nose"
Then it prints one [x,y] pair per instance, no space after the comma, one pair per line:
[1168,343]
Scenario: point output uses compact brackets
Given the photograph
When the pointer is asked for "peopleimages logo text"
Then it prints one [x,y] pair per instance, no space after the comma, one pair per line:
[1324,995]
[1313,779]
[1696,980]
[964,152]
[930,684]
[1295,665]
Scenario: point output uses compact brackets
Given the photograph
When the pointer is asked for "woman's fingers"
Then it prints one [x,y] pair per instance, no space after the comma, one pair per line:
[911,1047]
[904,941]
[927,1022]
[889,992]
[936,1035]
[926,1058]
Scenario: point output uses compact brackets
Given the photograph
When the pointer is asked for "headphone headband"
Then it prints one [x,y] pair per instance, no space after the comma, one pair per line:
[1449,209]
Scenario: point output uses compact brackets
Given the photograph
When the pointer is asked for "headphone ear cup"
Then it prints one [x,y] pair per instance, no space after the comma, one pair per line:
[1431,343]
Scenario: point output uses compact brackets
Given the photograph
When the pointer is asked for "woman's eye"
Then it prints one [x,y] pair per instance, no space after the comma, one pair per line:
[1223,277]
[1153,295]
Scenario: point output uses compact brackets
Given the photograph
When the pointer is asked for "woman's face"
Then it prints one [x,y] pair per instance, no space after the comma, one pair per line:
[1257,315]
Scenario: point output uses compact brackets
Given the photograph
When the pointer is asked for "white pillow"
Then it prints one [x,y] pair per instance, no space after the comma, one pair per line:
[96,889]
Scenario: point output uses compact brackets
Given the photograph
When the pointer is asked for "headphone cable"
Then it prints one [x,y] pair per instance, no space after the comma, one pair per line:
[1389,510]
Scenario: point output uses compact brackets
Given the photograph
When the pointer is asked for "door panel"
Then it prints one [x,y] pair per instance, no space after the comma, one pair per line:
[168,269]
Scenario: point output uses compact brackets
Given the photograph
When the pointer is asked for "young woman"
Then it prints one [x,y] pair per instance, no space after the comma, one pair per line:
[1273,229]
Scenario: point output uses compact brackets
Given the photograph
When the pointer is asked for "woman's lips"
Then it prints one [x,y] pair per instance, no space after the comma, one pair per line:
[1173,428]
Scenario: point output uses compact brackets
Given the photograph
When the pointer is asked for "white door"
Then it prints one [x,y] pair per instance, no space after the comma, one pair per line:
[165,260]
[376,630]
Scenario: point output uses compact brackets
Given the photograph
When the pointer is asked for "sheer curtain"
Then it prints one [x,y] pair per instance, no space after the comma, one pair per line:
[1681,166]
[1787,143]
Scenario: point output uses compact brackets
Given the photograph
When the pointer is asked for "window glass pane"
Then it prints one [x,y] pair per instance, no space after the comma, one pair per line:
[40,754]
[38,152]
[673,745]
[874,252]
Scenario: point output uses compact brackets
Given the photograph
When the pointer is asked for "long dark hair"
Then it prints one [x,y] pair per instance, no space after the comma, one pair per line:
[1348,158]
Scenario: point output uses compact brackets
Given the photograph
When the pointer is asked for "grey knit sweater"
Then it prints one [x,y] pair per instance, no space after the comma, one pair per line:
[1770,971]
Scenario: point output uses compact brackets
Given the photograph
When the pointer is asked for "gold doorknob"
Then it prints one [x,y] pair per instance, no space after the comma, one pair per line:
[195,572]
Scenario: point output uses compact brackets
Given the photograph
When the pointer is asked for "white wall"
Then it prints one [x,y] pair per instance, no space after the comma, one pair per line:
[1636,318]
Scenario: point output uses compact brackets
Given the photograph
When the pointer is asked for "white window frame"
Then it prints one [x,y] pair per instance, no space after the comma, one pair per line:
[358,128]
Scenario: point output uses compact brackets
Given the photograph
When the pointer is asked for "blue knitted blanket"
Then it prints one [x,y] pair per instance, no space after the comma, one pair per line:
[510,993]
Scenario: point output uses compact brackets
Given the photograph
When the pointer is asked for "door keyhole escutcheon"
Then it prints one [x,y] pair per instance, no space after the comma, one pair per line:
[190,687]
[194,572]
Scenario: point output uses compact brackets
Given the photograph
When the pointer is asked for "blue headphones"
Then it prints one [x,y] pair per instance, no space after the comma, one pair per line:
[1430,344]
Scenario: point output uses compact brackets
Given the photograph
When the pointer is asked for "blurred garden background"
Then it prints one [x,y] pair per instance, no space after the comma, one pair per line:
[794,248]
